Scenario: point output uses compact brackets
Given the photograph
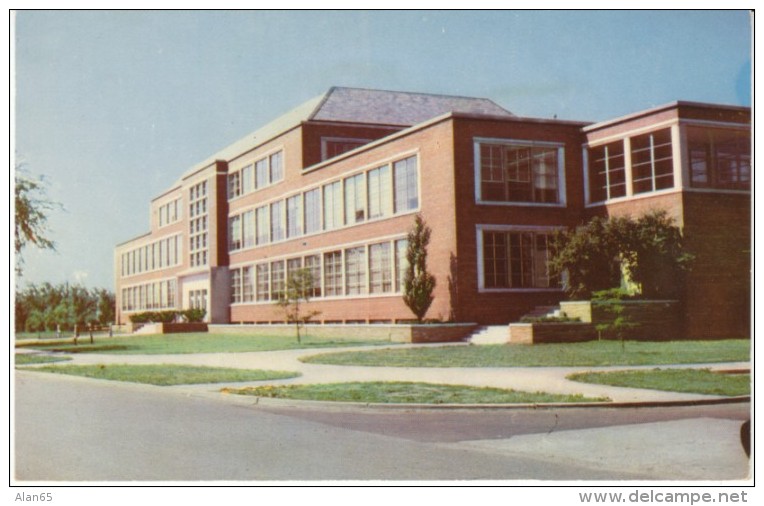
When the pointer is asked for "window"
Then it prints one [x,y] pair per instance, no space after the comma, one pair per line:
[235,286]
[261,173]
[263,285]
[332,205]
[335,147]
[333,273]
[247,179]
[355,271]
[519,172]
[234,233]
[607,173]
[294,216]
[248,229]
[652,167]
[516,259]
[234,185]
[380,192]
[401,263]
[293,265]
[278,280]
[313,264]
[277,167]
[719,158]
[247,288]
[355,199]
[263,225]
[380,268]
[277,221]
[312,216]
[406,191]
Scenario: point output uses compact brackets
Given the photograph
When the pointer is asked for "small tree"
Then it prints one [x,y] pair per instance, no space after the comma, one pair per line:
[296,294]
[418,284]
[620,322]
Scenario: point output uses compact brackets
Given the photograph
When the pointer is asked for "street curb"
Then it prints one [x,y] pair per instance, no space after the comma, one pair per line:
[296,403]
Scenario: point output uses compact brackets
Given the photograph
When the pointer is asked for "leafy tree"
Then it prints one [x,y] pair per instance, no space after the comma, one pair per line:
[649,249]
[299,286]
[45,306]
[588,256]
[31,215]
[418,284]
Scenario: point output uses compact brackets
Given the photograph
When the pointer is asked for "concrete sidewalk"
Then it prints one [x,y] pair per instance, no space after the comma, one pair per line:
[531,379]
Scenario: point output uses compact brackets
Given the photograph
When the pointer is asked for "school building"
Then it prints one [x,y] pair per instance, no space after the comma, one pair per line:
[334,186]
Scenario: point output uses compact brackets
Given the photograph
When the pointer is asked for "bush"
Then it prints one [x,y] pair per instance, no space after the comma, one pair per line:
[154,317]
[194,315]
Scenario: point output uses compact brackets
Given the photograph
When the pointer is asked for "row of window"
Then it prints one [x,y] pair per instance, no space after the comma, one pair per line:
[377,193]
[149,296]
[170,212]
[161,254]
[260,174]
[197,225]
[369,269]
[718,158]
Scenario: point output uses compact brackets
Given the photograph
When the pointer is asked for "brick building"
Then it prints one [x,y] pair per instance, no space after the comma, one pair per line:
[334,186]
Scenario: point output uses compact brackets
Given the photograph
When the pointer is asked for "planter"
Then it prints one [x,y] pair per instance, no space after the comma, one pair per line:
[397,333]
[657,320]
[552,332]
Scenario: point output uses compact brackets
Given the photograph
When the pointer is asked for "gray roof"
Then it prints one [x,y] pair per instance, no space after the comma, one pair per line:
[357,105]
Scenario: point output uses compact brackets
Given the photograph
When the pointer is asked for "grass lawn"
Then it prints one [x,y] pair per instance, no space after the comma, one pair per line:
[196,343]
[699,381]
[404,392]
[167,374]
[30,358]
[593,353]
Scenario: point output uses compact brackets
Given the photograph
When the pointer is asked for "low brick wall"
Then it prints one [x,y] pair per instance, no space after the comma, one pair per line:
[541,332]
[166,328]
[657,320]
[396,333]
[180,328]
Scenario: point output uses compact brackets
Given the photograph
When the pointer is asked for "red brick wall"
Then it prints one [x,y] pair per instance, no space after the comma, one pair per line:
[504,307]
[717,230]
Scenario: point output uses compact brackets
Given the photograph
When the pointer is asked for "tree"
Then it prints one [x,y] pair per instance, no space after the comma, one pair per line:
[418,284]
[31,216]
[296,294]
[588,256]
[648,250]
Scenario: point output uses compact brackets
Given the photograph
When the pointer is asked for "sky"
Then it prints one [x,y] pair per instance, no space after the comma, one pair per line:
[112,107]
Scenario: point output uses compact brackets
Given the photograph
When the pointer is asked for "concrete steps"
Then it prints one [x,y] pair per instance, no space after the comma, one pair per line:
[490,334]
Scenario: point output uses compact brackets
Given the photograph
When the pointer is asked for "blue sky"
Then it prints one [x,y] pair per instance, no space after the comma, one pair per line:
[111,107]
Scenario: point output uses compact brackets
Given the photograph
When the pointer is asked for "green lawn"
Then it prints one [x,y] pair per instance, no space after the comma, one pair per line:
[167,374]
[594,353]
[404,392]
[30,358]
[699,381]
[196,343]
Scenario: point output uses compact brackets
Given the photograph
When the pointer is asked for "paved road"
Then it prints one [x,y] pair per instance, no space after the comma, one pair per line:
[77,429]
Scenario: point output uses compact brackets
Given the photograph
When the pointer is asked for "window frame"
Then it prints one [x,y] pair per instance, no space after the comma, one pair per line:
[559,147]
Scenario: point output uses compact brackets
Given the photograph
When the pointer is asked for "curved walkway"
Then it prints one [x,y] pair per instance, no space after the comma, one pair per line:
[531,379]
